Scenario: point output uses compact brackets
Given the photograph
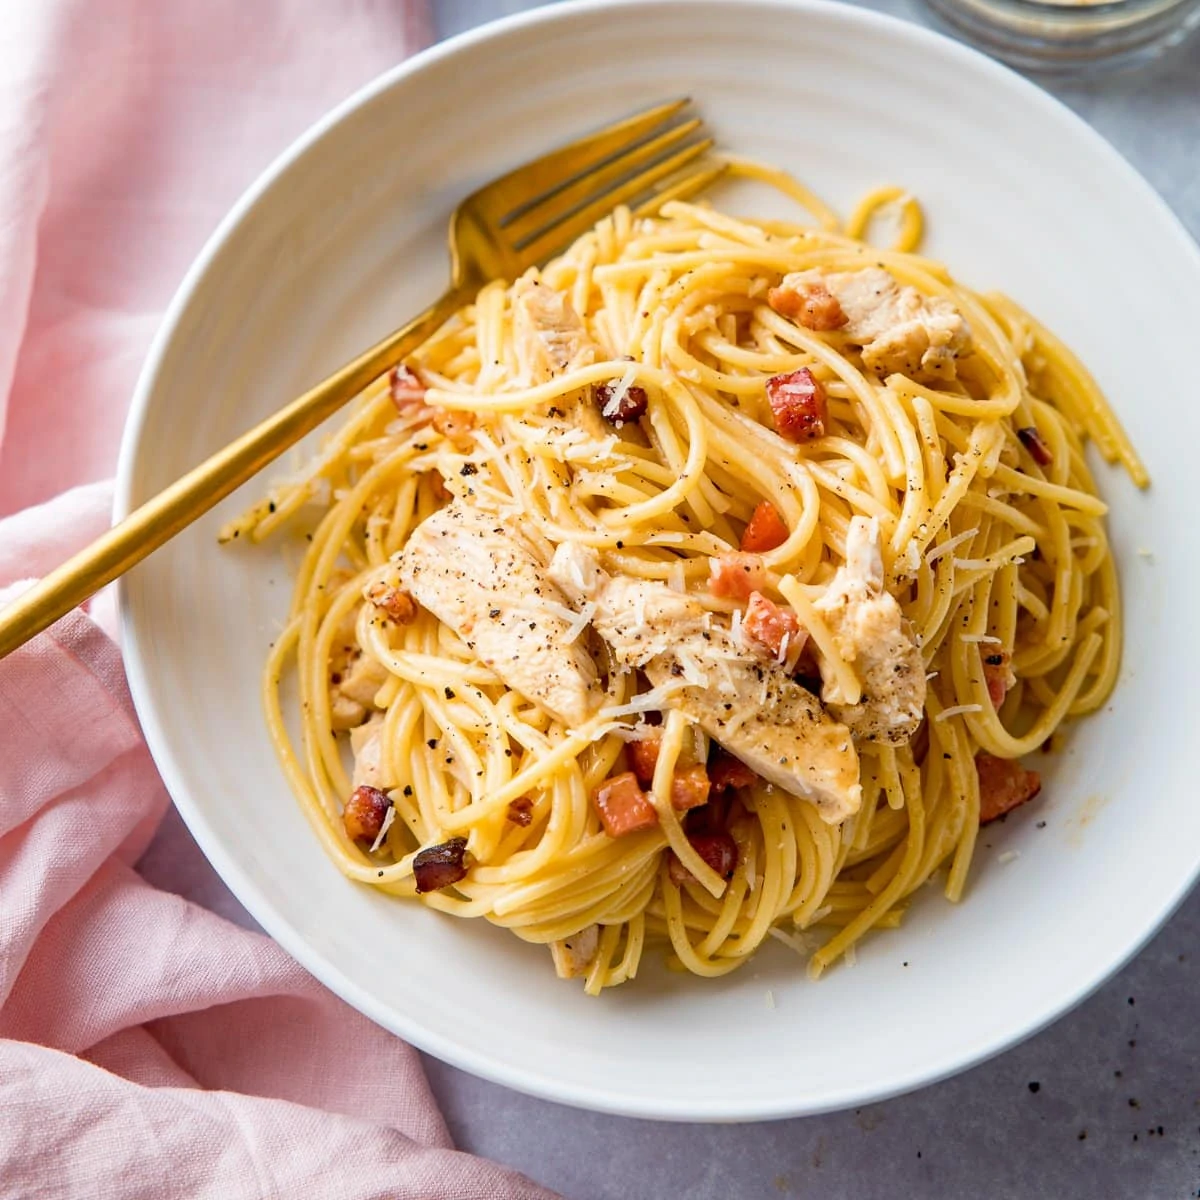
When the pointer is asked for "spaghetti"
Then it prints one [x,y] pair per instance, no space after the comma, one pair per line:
[660,452]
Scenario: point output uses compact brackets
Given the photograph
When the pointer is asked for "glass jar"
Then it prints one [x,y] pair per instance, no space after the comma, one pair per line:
[1068,36]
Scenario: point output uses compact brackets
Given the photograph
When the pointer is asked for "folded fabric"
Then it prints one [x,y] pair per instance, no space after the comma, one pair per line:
[149,1048]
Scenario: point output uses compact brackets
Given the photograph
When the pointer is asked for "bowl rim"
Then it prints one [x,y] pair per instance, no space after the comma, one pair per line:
[534,1081]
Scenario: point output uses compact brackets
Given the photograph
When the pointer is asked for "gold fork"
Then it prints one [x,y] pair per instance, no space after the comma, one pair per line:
[515,222]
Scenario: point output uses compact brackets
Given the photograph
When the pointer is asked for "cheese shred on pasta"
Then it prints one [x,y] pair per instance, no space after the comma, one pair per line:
[991,551]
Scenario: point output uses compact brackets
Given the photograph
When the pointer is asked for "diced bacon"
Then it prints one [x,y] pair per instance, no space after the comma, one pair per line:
[623,806]
[765,530]
[406,388]
[619,407]
[768,625]
[455,426]
[734,576]
[689,788]
[520,812]
[437,867]
[365,813]
[643,757]
[998,675]
[813,306]
[1038,450]
[1003,785]
[798,402]
[440,491]
[395,603]
[718,850]
[726,772]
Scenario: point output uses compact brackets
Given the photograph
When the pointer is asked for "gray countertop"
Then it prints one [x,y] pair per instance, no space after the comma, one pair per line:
[1106,1103]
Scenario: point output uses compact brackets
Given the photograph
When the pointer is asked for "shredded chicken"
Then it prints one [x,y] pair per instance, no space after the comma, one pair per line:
[549,334]
[573,955]
[479,574]
[872,635]
[899,329]
[355,678]
[366,744]
[749,704]
[551,339]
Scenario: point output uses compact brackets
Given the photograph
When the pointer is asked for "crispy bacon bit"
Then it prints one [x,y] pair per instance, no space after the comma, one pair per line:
[798,402]
[765,530]
[689,785]
[726,772]
[406,387]
[689,788]
[718,850]
[623,806]
[395,603]
[998,675]
[816,307]
[520,812]
[1003,785]
[643,757]
[437,867]
[768,625]
[629,407]
[1038,450]
[365,812]
[455,426]
[734,576]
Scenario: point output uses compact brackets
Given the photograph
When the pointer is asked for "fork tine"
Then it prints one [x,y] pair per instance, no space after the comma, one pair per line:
[570,225]
[526,221]
[535,179]
[682,189]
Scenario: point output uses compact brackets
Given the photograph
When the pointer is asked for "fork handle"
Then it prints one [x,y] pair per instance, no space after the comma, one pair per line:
[187,499]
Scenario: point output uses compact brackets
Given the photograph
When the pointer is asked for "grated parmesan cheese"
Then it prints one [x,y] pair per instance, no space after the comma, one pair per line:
[612,406]
[1008,856]
[791,940]
[980,637]
[582,620]
[388,818]
[958,709]
[948,545]
[770,998]
[651,701]
[781,657]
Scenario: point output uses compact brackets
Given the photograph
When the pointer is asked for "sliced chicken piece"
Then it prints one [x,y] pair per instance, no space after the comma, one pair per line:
[549,334]
[872,635]
[356,678]
[898,328]
[551,339]
[479,574]
[366,744]
[741,698]
[573,956]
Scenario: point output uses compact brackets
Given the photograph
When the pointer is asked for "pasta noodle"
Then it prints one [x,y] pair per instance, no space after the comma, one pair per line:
[993,544]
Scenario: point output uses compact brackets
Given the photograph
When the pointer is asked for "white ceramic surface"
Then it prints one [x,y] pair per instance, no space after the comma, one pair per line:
[342,238]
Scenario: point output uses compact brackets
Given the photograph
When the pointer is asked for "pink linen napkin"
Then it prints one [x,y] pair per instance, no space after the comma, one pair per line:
[149,1048]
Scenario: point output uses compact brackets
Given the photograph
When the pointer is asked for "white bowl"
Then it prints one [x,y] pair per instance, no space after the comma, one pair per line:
[342,238]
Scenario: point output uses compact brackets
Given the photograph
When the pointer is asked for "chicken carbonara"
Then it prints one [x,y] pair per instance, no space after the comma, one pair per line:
[706,585]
